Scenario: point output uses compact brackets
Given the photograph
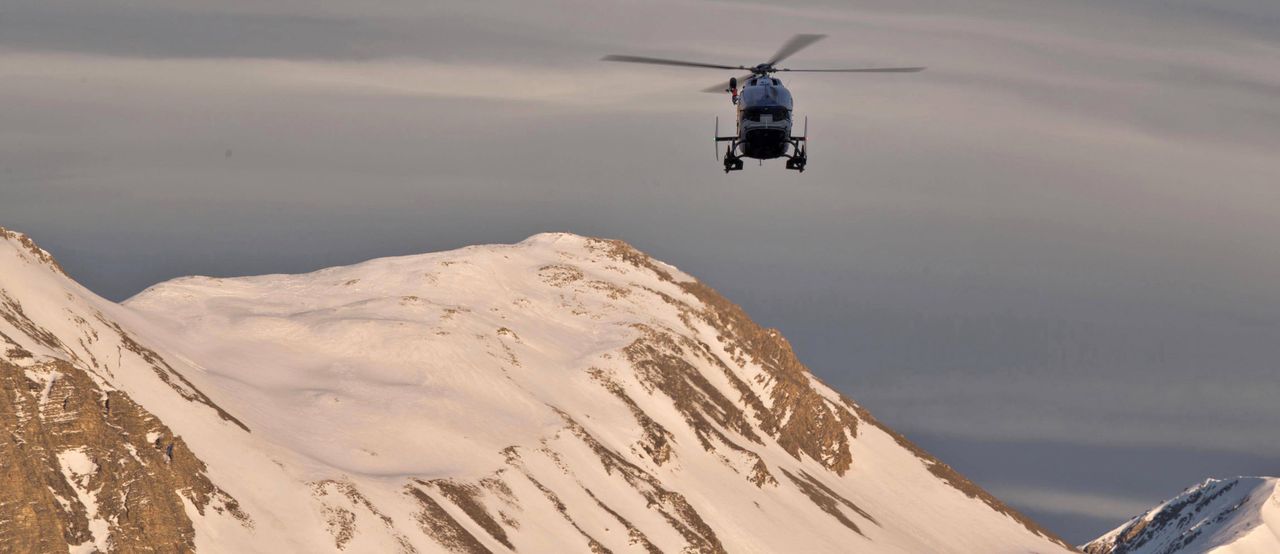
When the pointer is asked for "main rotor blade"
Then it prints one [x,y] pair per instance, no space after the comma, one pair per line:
[662,61]
[796,44]
[863,70]
[724,85]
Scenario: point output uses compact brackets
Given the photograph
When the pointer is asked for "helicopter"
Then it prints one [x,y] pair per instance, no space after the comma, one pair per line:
[764,105]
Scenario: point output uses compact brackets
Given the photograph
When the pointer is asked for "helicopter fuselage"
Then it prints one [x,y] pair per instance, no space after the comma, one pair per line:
[764,118]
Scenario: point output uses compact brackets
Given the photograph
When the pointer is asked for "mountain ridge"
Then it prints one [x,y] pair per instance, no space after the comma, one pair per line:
[612,398]
[1225,516]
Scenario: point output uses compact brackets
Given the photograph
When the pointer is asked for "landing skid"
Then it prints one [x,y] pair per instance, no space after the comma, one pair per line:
[799,150]
[800,156]
[797,160]
[732,162]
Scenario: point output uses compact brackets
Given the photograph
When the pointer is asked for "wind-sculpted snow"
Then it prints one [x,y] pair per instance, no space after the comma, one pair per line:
[1223,516]
[563,394]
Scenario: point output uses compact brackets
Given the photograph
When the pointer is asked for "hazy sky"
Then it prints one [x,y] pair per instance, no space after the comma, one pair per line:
[1052,258]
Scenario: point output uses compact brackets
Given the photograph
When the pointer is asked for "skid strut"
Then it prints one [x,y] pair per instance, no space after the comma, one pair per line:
[731,161]
[799,149]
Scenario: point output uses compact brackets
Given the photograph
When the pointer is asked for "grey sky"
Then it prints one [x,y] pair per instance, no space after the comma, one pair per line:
[1058,242]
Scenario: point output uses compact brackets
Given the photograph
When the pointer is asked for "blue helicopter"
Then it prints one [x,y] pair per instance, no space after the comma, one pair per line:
[764,105]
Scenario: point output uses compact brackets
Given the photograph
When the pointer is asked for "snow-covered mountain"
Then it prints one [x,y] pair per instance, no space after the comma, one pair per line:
[563,394]
[1222,516]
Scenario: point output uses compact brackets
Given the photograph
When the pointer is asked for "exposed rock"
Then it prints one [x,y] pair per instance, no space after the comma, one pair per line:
[467,497]
[812,425]
[341,516]
[829,500]
[670,504]
[40,254]
[439,525]
[76,467]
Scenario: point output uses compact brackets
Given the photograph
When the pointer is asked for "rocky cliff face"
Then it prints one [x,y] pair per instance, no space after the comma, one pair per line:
[561,394]
[88,466]
[82,464]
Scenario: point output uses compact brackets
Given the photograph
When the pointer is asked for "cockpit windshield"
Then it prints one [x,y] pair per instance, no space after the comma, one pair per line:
[766,96]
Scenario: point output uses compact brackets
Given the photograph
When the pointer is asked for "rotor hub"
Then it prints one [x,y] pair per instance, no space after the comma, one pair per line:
[793,45]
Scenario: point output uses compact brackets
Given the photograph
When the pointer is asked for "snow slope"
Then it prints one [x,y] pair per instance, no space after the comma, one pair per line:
[561,394]
[1222,516]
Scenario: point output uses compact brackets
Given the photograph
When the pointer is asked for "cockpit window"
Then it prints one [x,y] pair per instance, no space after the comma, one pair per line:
[766,95]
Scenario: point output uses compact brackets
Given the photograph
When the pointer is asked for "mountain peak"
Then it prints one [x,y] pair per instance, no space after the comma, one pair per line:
[556,236]
[27,247]
[1241,514]
[564,393]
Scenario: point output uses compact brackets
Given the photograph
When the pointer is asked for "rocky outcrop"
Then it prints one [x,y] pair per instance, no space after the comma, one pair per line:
[813,425]
[81,464]
[40,255]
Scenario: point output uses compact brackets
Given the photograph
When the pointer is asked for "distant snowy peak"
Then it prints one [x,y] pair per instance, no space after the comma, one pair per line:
[1223,516]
